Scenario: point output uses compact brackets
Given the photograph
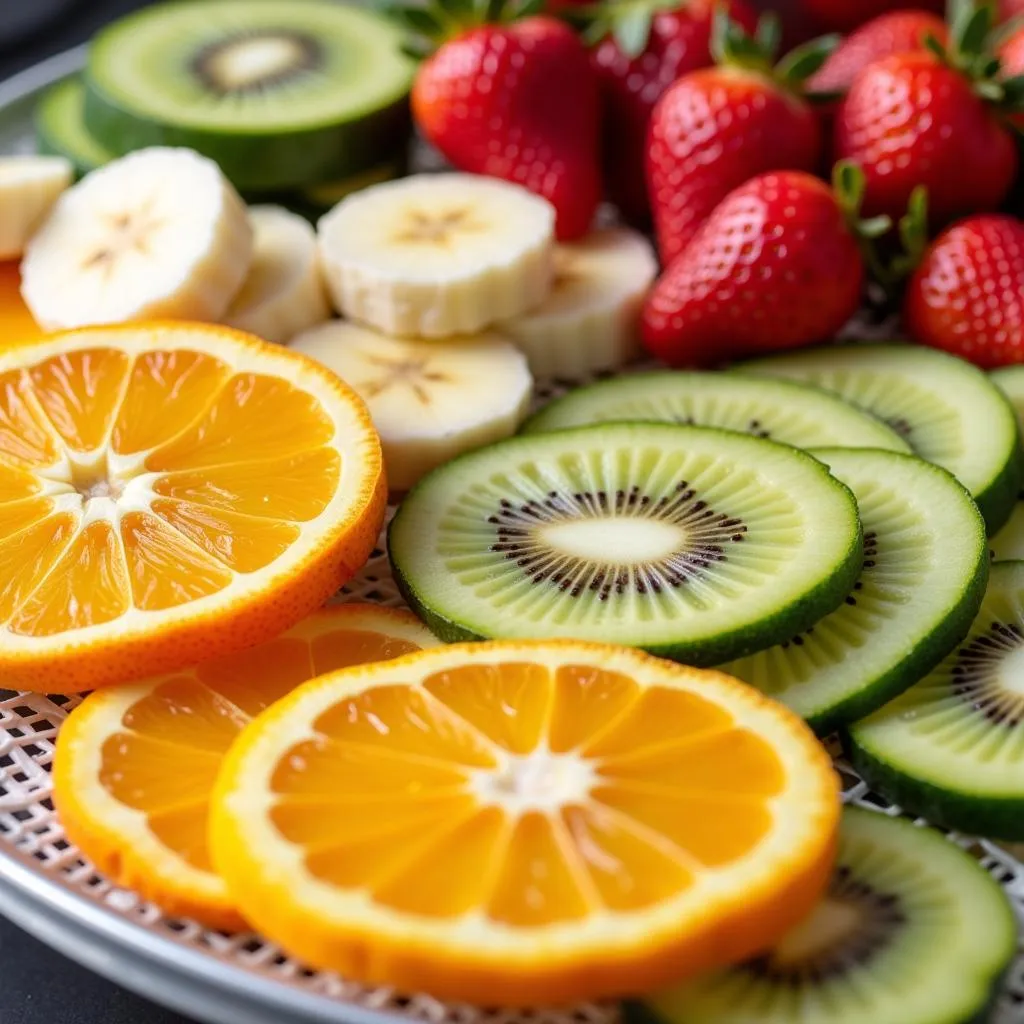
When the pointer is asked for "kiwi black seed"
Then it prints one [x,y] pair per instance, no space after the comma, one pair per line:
[911,931]
[693,543]
[951,748]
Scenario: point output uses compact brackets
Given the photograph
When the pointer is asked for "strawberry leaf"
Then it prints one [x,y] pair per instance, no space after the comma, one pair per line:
[632,29]
[769,35]
[798,65]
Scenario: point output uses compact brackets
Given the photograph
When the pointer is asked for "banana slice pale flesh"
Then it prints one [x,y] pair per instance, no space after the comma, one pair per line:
[157,233]
[29,186]
[591,319]
[437,255]
[284,292]
[429,400]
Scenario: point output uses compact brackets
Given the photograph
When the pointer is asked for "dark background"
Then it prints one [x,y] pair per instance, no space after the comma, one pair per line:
[37,986]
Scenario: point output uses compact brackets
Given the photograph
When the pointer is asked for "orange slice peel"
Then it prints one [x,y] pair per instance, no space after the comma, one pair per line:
[171,492]
[135,765]
[525,823]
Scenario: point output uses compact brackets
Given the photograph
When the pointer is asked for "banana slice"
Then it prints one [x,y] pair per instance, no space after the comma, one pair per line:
[591,319]
[29,186]
[284,292]
[157,233]
[430,400]
[435,255]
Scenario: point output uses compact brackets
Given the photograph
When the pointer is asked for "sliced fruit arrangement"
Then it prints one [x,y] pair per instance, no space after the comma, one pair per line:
[280,95]
[435,255]
[29,186]
[284,291]
[1008,543]
[591,319]
[949,411]
[524,823]
[168,493]
[17,325]
[159,233]
[135,765]
[702,545]
[429,400]
[949,748]
[912,930]
[60,127]
[924,576]
[791,413]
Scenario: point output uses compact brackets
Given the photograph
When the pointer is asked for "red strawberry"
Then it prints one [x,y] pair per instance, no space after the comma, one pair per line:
[643,49]
[846,15]
[967,295]
[777,265]
[921,118]
[896,32]
[1011,53]
[718,127]
[517,101]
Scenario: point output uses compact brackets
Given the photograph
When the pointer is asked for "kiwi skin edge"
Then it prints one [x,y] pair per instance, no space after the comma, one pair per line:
[710,652]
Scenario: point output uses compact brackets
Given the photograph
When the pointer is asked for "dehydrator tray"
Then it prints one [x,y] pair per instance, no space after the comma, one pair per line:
[51,891]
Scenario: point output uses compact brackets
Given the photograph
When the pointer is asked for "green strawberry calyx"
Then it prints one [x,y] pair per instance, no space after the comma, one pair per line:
[628,22]
[428,25]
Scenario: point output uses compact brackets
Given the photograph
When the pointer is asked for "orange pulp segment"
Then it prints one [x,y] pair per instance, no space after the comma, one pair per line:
[170,493]
[135,765]
[525,823]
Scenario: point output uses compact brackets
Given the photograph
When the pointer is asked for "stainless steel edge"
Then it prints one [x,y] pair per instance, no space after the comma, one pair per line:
[203,986]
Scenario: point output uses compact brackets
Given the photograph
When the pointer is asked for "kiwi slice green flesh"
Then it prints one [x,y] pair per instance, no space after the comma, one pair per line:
[281,95]
[951,748]
[912,930]
[60,127]
[796,414]
[948,410]
[692,543]
[924,575]
[1008,543]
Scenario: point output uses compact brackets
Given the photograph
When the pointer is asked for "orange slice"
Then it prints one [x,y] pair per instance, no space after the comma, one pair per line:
[134,765]
[17,325]
[525,823]
[170,493]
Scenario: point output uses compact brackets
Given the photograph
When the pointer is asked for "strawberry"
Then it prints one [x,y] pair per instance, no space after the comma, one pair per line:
[642,48]
[897,32]
[515,100]
[931,118]
[846,15]
[967,295]
[777,265]
[718,127]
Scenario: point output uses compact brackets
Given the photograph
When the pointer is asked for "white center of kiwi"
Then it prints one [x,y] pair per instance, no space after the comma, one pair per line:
[831,924]
[256,60]
[629,541]
[539,781]
[1011,672]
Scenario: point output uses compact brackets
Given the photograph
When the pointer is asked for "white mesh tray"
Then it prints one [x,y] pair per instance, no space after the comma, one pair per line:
[48,888]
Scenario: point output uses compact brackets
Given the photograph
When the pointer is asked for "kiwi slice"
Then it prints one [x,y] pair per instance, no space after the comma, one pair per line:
[948,410]
[60,127]
[693,543]
[795,414]
[924,575]
[1008,543]
[281,95]
[952,747]
[912,931]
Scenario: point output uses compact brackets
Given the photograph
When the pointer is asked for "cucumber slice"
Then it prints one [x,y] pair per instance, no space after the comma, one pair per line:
[912,931]
[796,414]
[60,127]
[952,747]
[692,543]
[1008,543]
[948,410]
[925,569]
[281,95]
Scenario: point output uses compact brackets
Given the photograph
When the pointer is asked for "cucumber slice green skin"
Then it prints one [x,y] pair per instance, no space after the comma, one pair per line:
[60,128]
[996,496]
[923,653]
[954,907]
[784,410]
[262,162]
[825,596]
